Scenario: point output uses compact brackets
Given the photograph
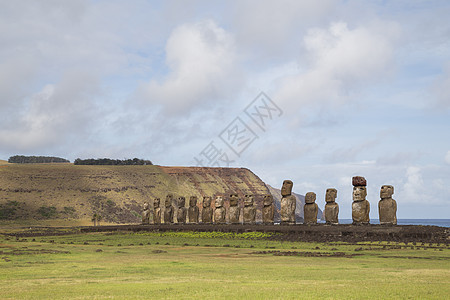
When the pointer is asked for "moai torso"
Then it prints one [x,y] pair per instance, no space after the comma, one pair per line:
[331,211]
[310,209]
[387,207]
[360,212]
[146,215]
[219,212]
[157,211]
[287,212]
[234,211]
[207,212]
[181,211]
[249,210]
[288,203]
[360,206]
[268,209]
[168,215]
[193,211]
[168,210]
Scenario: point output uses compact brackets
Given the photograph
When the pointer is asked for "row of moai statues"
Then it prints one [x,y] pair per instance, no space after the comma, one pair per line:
[208,215]
[387,208]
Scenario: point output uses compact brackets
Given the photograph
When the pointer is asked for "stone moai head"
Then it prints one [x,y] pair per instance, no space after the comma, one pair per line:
[206,201]
[330,195]
[359,188]
[286,189]
[386,191]
[169,199]
[181,201]
[145,206]
[268,200]
[156,202]
[234,199]
[219,201]
[310,198]
[248,200]
[359,193]
[193,201]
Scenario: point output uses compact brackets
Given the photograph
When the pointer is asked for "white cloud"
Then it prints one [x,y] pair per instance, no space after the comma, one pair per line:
[44,39]
[397,158]
[53,115]
[425,185]
[447,157]
[339,59]
[15,73]
[201,58]
[270,29]
[413,189]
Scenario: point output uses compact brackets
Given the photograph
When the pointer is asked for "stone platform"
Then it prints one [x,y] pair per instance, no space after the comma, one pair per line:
[309,233]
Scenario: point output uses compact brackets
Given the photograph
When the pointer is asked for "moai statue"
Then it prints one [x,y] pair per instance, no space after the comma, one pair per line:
[181,211]
[193,211]
[387,207]
[360,206]
[310,209]
[331,208]
[234,212]
[207,212]
[268,209]
[168,211]
[288,203]
[157,211]
[249,210]
[146,215]
[219,212]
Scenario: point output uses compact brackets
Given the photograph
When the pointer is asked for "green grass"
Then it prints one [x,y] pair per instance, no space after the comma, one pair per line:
[216,266]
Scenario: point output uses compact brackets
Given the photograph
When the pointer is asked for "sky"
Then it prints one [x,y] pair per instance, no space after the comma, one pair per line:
[312,91]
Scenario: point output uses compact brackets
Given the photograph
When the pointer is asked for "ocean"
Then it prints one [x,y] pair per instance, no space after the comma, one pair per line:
[433,222]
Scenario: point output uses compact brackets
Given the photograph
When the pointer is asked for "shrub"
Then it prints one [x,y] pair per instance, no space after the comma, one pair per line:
[47,211]
[8,210]
[69,210]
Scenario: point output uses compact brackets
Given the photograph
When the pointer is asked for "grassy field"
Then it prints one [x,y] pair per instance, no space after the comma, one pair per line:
[189,265]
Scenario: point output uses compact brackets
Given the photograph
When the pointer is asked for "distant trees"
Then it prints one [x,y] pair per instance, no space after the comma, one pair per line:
[21,159]
[113,162]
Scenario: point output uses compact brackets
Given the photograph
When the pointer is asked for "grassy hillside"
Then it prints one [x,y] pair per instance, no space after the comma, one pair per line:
[117,193]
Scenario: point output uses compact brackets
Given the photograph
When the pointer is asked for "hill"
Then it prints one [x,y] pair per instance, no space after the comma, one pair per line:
[117,193]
